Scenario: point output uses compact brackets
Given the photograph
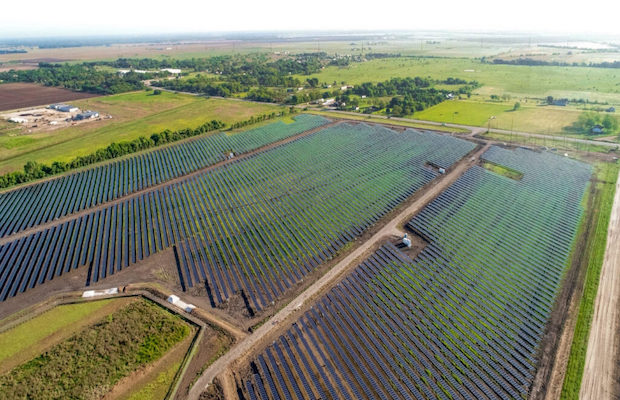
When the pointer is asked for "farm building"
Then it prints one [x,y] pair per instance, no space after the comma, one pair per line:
[597,129]
[63,107]
[86,115]
[126,71]
[18,120]
[560,102]
[611,109]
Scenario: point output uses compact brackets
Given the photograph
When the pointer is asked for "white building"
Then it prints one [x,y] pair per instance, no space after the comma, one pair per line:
[174,71]
[18,120]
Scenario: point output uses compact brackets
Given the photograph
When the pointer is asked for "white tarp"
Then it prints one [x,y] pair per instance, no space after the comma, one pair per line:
[181,304]
[104,292]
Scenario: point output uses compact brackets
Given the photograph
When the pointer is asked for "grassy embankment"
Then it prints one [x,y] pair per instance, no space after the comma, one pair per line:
[92,361]
[602,203]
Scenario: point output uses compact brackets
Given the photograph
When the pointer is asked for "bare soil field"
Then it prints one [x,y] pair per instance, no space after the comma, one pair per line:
[17,67]
[44,119]
[114,51]
[20,95]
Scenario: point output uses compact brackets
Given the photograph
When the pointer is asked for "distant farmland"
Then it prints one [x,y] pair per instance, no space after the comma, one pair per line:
[20,95]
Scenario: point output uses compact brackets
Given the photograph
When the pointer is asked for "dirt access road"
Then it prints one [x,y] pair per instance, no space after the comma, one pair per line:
[279,322]
[599,371]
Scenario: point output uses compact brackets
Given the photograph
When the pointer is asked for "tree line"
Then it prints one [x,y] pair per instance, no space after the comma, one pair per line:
[78,77]
[34,170]
[534,62]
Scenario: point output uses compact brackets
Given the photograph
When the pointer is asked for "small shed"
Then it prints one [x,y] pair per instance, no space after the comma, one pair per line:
[611,109]
[597,129]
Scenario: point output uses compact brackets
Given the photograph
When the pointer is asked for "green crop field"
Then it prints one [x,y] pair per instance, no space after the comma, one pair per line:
[601,84]
[133,115]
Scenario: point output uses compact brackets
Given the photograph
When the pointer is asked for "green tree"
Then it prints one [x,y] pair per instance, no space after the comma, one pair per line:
[610,123]
[516,106]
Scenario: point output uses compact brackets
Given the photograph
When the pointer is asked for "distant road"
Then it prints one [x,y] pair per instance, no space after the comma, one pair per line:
[475,130]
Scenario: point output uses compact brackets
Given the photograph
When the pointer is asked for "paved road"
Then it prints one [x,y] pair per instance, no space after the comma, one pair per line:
[478,130]
[599,372]
[284,317]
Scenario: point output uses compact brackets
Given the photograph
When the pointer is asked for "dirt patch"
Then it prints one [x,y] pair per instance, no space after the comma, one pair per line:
[20,95]
[213,392]
[214,343]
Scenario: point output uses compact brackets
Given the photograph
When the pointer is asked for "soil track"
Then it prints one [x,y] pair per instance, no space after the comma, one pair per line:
[600,371]
[282,320]
[19,95]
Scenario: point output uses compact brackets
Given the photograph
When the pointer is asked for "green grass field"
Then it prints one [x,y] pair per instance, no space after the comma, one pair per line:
[463,112]
[133,115]
[88,363]
[26,335]
[530,117]
[602,84]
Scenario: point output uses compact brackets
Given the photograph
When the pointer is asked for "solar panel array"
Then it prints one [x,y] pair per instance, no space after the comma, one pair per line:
[257,225]
[66,195]
[464,319]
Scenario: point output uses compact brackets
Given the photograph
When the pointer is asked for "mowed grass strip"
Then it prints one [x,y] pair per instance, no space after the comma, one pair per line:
[90,363]
[28,334]
[463,112]
[133,115]
[607,175]
[158,388]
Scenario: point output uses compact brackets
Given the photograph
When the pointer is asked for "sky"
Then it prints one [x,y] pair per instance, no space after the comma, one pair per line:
[37,18]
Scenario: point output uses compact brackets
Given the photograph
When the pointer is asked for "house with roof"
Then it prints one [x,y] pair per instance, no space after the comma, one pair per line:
[597,129]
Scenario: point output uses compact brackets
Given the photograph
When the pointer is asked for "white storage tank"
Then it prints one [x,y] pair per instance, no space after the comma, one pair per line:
[406,241]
